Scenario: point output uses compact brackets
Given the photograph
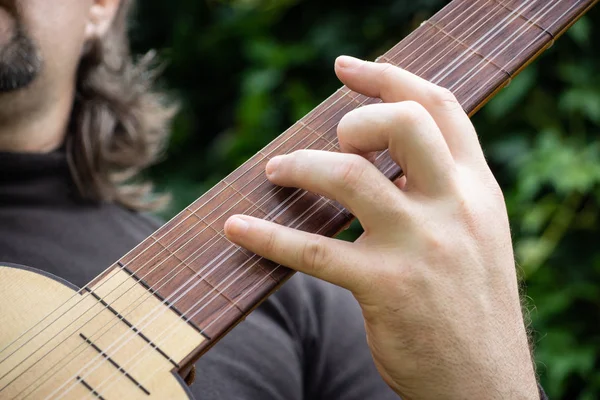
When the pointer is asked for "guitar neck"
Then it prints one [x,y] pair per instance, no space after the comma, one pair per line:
[472,47]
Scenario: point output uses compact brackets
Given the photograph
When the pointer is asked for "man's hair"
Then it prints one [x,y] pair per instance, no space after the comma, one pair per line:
[118,125]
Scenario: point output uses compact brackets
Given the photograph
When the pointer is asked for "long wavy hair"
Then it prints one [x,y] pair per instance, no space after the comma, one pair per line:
[119,125]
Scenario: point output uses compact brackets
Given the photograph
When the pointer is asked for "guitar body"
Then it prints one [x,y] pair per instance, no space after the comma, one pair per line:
[58,343]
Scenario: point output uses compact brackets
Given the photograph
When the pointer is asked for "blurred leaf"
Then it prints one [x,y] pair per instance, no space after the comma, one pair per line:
[510,97]
[581,32]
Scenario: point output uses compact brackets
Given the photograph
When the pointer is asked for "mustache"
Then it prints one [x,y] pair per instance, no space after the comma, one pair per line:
[10,5]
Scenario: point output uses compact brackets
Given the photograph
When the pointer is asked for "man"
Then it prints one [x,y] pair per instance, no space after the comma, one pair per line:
[77,119]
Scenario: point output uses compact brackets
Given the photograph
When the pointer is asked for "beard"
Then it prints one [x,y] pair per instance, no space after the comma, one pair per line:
[20,62]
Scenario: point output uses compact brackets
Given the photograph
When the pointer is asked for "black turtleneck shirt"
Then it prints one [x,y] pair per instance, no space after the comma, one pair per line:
[306,341]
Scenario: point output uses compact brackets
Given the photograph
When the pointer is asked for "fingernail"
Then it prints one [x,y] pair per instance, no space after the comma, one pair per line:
[272,165]
[347,62]
[236,226]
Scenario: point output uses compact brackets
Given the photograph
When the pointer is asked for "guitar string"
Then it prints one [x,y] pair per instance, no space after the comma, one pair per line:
[461,58]
[183,266]
[344,95]
[408,37]
[423,32]
[438,56]
[269,196]
[495,51]
[258,283]
[209,293]
[496,8]
[230,306]
[274,210]
[184,285]
[245,293]
[543,33]
[413,39]
[208,227]
[175,226]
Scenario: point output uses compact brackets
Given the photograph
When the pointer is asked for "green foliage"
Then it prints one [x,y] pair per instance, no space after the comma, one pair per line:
[245,70]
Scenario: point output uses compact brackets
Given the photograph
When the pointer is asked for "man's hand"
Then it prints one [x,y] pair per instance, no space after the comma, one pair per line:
[434,271]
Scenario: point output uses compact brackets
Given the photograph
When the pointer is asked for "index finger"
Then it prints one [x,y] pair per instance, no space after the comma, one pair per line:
[325,258]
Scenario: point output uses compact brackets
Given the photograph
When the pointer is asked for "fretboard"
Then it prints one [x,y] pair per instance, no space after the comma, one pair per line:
[472,47]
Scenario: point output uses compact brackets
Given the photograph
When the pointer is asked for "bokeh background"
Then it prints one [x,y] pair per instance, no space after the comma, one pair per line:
[245,70]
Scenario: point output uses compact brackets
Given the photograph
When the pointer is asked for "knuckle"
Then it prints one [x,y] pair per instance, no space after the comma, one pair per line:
[314,253]
[270,243]
[350,172]
[388,71]
[442,97]
[439,247]
[412,113]
[389,75]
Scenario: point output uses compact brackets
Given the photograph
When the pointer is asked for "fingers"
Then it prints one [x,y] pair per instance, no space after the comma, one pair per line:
[393,84]
[329,259]
[347,178]
[412,137]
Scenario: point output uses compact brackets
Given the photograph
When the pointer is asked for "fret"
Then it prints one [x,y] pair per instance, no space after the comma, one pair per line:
[228,203]
[276,272]
[214,254]
[214,287]
[513,35]
[553,22]
[218,232]
[345,91]
[251,202]
[336,101]
[177,227]
[295,138]
[212,193]
[446,73]
[260,153]
[332,146]
[180,260]
[182,289]
[152,254]
[535,23]
[327,120]
[203,307]
[264,193]
[240,179]
[334,204]
[298,203]
[236,282]
[162,299]
[311,219]
[159,274]
[471,47]
[415,40]
[466,46]
[460,24]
